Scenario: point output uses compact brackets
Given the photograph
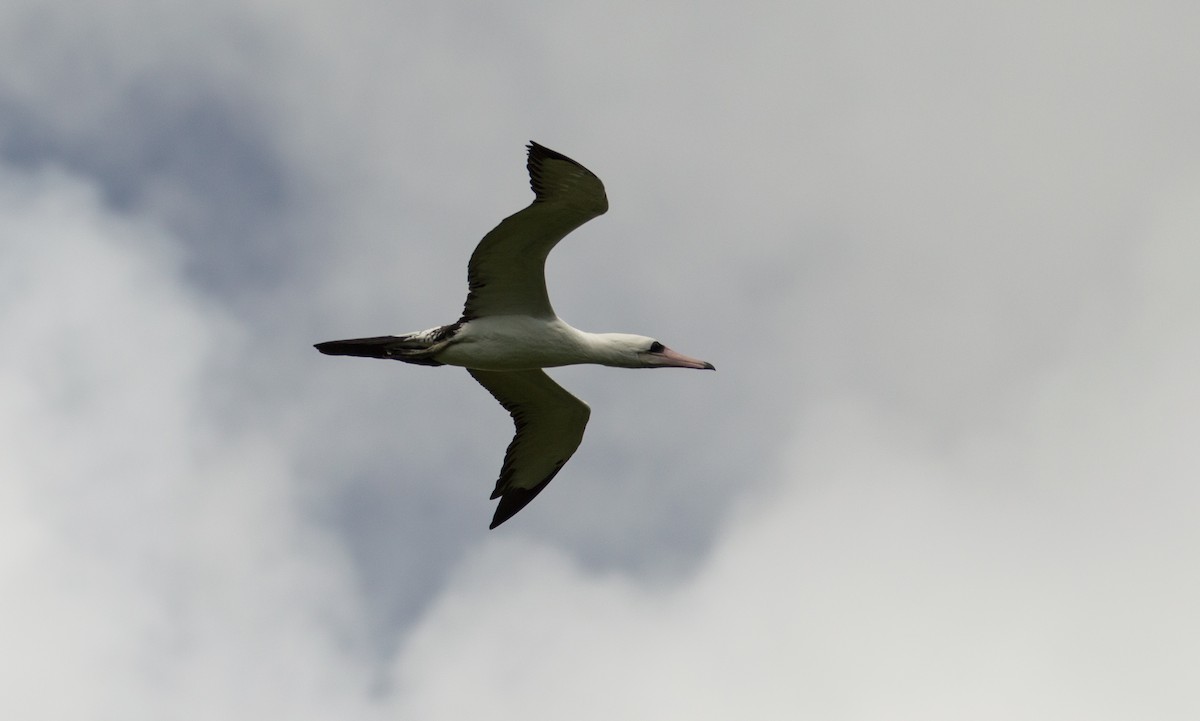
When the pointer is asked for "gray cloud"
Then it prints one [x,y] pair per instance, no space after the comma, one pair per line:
[939,255]
[1036,566]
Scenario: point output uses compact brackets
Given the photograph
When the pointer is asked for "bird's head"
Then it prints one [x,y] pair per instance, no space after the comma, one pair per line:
[638,351]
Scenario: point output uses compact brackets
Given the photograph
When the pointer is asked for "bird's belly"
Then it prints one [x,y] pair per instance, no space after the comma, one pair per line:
[510,347]
[499,356]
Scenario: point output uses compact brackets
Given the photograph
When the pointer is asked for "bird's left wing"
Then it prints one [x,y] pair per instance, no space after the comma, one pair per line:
[549,423]
[506,275]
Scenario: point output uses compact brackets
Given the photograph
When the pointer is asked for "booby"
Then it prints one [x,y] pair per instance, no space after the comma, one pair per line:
[509,332]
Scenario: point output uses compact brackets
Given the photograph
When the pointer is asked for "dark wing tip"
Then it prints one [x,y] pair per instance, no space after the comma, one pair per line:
[539,153]
[581,184]
[514,499]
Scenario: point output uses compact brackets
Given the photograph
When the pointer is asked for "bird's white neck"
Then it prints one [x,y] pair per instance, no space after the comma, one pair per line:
[619,350]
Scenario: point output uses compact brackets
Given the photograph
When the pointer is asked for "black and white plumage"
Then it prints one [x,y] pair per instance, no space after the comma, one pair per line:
[509,332]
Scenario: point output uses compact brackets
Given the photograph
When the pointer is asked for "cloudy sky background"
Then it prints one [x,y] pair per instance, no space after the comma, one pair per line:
[944,256]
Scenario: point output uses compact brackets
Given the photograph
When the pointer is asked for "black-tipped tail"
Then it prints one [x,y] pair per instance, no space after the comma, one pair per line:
[389,347]
[378,347]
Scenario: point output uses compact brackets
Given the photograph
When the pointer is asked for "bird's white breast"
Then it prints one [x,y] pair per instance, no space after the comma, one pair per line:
[512,342]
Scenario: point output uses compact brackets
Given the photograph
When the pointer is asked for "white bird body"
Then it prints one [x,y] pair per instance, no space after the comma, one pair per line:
[508,331]
[521,342]
[515,343]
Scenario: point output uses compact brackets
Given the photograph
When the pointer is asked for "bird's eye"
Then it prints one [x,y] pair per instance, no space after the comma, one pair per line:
[657,347]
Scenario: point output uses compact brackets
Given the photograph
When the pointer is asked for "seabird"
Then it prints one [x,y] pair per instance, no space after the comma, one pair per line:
[509,332]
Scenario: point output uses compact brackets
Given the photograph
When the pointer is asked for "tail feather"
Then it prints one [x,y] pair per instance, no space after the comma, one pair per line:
[390,347]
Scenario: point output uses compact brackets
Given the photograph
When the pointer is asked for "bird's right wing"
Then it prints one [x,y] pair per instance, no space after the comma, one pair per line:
[506,275]
[549,423]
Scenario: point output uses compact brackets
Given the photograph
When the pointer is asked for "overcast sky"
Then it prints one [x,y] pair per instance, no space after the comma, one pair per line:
[944,256]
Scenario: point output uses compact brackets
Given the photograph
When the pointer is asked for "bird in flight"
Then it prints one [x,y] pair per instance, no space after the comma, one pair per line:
[509,332]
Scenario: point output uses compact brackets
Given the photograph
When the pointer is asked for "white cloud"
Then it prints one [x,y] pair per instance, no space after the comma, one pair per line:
[154,567]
